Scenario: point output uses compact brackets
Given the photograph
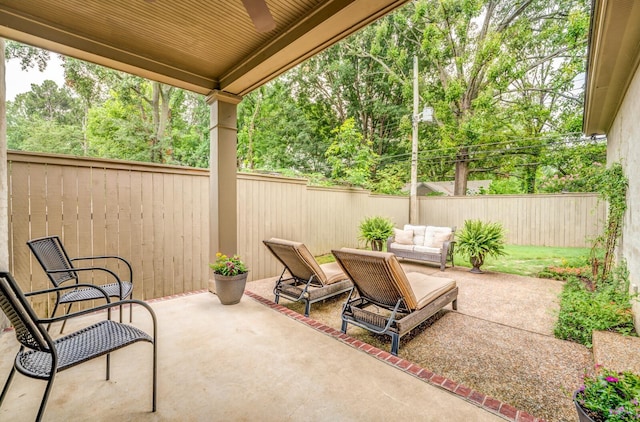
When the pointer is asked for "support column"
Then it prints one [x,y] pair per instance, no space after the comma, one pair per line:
[223,135]
[4,189]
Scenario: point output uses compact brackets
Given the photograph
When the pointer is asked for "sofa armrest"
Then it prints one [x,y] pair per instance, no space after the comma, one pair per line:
[390,240]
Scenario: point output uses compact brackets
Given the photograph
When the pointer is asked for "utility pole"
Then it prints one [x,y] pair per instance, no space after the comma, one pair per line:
[425,116]
[413,194]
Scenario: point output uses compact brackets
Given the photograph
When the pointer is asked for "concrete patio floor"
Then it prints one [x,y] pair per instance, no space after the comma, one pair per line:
[242,362]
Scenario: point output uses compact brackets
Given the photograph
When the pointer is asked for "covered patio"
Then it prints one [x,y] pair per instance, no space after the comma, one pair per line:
[237,363]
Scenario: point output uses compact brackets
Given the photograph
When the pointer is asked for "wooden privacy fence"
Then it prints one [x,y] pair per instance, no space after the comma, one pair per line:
[157,217]
[154,216]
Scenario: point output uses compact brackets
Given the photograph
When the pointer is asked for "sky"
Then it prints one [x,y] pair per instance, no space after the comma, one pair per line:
[19,81]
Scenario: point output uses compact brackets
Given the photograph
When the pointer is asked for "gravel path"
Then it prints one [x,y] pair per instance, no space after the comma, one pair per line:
[499,342]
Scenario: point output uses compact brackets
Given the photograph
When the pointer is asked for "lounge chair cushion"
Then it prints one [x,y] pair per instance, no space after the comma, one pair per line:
[333,273]
[426,288]
[309,261]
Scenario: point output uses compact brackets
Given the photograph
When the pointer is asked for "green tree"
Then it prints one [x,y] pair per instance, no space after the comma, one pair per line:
[474,54]
[350,155]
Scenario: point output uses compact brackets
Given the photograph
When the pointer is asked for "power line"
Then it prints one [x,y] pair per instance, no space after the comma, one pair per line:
[552,141]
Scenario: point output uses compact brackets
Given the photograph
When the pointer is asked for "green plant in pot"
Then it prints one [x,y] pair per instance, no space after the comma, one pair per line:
[479,239]
[230,275]
[375,231]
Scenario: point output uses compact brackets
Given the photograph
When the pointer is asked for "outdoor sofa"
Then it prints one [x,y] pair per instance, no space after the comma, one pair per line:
[423,243]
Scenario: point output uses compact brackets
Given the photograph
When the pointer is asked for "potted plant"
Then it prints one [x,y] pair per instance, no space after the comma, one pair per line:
[479,239]
[375,231]
[608,396]
[230,276]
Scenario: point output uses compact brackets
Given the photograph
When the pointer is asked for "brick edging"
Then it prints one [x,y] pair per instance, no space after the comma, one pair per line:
[490,404]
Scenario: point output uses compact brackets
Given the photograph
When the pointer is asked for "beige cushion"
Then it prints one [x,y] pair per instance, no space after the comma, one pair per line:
[400,246]
[433,236]
[333,272]
[418,233]
[427,249]
[403,237]
[426,288]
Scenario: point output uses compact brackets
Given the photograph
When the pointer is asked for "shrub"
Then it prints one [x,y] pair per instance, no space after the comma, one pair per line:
[479,239]
[375,230]
[608,308]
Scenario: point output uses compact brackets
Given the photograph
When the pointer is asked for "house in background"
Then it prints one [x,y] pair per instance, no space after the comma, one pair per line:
[474,187]
[612,108]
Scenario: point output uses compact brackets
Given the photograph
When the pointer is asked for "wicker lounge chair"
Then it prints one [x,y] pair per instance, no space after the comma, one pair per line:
[389,300]
[302,278]
[60,269]
[42,357]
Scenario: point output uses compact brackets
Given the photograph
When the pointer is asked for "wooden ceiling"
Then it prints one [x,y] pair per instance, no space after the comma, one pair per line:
[199,45]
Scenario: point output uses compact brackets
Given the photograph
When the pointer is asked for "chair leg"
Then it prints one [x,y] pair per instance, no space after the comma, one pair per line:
[47,391]
[395,343]
[55,308]
[65,321]
[454,305]
[344,327]
[108,366]
[6,384]
[155,376]
[307,308]
[277,299]
[131,308]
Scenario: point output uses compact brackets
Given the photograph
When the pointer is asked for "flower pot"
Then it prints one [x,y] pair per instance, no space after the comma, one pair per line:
[230,288]
[476,262]
[582,414]
[376,245]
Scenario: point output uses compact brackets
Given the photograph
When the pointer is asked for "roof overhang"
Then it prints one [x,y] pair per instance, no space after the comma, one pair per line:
[201,46]
[613,58]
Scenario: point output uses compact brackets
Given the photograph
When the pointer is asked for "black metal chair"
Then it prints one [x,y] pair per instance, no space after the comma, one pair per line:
[52,256]
[42,357]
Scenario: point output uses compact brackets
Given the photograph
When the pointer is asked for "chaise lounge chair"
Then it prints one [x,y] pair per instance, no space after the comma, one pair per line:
[302,278]
[389,300]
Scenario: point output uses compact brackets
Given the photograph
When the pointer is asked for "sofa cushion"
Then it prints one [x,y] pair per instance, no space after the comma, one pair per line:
[418,233]
[435,236]
[400,246]
[426,249]
[404,237]
[426,288]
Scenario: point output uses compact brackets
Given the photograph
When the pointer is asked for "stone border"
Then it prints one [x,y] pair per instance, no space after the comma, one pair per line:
[490,404]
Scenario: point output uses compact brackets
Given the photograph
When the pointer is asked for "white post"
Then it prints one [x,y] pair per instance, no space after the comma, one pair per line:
[413,194]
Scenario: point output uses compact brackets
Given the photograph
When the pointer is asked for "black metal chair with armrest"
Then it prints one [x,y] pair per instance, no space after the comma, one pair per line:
[52,256]
[42,357]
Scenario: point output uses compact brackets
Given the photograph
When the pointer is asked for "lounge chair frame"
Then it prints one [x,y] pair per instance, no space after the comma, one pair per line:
[302,278]
[401,314]
[42,357]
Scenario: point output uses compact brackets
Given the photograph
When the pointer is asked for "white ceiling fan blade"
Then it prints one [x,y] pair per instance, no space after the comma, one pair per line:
[260,15]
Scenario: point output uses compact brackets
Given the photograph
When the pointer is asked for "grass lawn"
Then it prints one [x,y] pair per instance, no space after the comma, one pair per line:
[530,260]
[521,260]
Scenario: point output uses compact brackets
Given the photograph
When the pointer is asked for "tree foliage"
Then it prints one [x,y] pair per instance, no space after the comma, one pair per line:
[502,76]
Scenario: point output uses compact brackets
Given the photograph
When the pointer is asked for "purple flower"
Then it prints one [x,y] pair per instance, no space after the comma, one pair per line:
[611,379]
